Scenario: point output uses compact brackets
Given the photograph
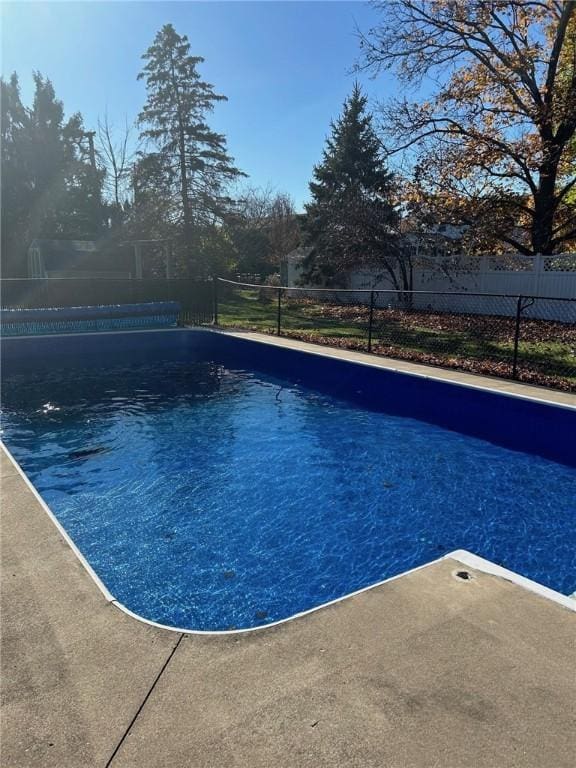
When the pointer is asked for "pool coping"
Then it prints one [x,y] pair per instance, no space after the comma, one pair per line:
[463,556]
[481,382]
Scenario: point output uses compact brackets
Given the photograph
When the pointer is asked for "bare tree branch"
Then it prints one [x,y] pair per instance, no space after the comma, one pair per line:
[505,111]
[116,156]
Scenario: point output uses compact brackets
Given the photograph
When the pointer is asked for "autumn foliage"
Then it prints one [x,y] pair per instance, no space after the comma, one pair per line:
[496,140]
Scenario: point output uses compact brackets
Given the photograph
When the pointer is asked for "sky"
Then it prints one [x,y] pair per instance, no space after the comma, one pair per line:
[286,68]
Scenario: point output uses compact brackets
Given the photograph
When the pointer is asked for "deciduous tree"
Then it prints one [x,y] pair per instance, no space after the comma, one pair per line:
[499,129]
[263,228]
[116,156]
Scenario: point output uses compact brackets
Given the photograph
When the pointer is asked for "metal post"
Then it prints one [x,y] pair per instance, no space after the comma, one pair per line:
[279,317]
[516,338]
[215,287]
[138,260]
[370,321]
[168,259]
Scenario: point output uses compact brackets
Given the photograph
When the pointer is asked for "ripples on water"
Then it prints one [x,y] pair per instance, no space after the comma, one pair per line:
[207,498]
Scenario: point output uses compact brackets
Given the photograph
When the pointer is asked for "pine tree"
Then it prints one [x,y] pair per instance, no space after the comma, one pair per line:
[49,189]
[351,220]
[15,190]
[193,157]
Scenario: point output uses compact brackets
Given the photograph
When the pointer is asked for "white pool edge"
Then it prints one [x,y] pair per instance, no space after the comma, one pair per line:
[61,530]
[487,566]
[460,555]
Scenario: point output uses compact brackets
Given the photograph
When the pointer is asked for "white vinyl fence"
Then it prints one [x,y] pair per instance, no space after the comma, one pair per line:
[513,275]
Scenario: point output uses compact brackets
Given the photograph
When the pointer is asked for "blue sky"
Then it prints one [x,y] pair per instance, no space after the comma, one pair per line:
[284,66]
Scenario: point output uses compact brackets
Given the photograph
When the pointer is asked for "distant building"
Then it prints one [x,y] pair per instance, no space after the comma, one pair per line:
[438,240]
[291,265]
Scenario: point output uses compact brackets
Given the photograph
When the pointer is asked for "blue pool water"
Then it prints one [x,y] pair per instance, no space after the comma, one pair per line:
[210,498]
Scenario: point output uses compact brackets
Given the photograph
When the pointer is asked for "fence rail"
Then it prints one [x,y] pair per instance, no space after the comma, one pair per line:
[526,338]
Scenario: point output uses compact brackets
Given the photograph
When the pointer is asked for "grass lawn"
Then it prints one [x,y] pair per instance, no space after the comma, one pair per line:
[547,350]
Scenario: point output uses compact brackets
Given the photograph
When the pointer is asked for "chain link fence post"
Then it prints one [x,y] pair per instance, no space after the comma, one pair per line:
[279,314]
[370,321]
[516,337]
[215,297]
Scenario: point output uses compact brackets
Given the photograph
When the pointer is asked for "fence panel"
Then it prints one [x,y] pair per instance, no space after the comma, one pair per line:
[547,344]
[544,276]
[194,296]
[456,330]
[247,306]
[529,339]
[339,318]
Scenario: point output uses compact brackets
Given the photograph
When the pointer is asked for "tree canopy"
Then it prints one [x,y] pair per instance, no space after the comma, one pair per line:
[496,139]
[352,219]
[190,156]
[493,146]
[50,189]
[263,228]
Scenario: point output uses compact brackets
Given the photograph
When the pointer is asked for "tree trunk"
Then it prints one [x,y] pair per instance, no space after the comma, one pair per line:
[187,214]
[184,184]
[545,205]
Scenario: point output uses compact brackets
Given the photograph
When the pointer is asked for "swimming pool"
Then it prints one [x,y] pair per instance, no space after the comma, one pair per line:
[216,483]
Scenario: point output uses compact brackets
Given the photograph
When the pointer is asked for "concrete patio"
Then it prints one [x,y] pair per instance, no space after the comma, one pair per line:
[421,671]
[426,670]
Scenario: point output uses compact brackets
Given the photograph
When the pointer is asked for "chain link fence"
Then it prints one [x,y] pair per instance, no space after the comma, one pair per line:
[530,339]
[195,297]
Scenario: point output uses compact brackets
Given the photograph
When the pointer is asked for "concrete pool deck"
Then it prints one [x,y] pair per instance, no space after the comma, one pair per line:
[421,671]
[426,670]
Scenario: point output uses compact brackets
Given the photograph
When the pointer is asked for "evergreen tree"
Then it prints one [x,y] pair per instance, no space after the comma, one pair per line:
[15,190]
[49,188]
[193,157]
[351,219]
